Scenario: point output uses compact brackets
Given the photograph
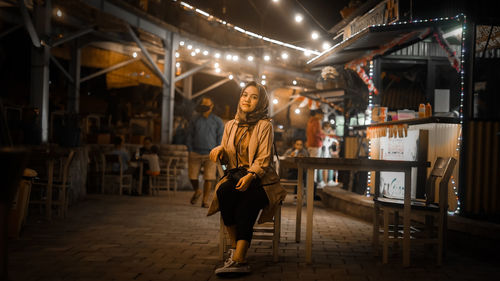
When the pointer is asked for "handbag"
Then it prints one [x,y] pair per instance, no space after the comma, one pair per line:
[235,174]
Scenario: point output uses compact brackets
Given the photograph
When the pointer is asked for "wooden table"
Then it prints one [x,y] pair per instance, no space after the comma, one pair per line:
[311,163]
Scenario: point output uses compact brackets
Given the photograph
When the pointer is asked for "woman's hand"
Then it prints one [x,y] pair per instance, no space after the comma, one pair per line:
[216,153]
[244,182]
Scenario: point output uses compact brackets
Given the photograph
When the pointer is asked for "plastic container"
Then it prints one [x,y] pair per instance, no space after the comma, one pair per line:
[421,110]
[428,110]
[406,114]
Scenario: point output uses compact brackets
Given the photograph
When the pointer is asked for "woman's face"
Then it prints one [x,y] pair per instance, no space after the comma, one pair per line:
[249,99]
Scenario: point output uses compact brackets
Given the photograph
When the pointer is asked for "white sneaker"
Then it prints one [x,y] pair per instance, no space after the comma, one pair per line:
[231,266]
[230,254]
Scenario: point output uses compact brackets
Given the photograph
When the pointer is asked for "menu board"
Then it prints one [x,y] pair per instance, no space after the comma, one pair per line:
[404,149]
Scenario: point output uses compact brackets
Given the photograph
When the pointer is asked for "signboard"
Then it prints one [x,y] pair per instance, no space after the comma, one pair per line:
[384,13]
[392,184]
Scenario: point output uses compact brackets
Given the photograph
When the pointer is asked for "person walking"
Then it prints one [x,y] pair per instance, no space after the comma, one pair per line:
[251,182]
[204,133]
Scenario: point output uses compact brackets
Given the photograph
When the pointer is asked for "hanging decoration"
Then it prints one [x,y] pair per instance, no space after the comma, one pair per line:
[367,79]
[311,104]
[452,55]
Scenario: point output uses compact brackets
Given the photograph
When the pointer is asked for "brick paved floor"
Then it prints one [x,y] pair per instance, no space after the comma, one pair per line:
[110,237]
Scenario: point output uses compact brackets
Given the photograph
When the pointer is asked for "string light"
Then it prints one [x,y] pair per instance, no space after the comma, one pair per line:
[217,70]
[275,101]
[190,47]
[217,55]
[216,65]
[205,53]
[246,32]
[197,50]
[267,58]
[229,57]
[59,13]
[242,84]
[284,55]
[235,58]
[193,53]
[177,54]
[294,82]
[263,82]
[181,43]
[263,76]
[134,54]
[177,64]
[297,111]
[369,118]
[298,18]
[326,45]
[231,77]
[250,58]
[314,35]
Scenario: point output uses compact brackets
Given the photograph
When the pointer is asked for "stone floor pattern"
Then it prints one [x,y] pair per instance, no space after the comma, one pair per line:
[108,237]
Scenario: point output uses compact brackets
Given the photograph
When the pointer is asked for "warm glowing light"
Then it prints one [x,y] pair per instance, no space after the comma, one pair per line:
[190,47]
[177,64]
[177,54]
[216,65]
[284,56]
[242,84]
[263,82]
[307,53]
[267,58]
[217,55]
[181,43]
[231,76]
[205,53]
[314,35]
[197,50]
[263,76]
[228,57]
[193,53]
[275,101]
[235,58]
[59,13]
[294,82]
[326,45]
[134,54]
[297,111]
[250,58]
[298,18]
[217,70]
[276,1]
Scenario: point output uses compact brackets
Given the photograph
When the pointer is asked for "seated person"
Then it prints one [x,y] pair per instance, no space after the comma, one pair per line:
[298,150]
[147,145]
[119,149]
[153,168]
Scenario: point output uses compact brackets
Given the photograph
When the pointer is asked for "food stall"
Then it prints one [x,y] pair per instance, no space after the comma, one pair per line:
[408,65]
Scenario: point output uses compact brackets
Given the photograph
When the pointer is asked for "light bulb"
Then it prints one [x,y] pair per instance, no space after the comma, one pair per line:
[314,35]
[190,47]
[228,57]
[263,76]
[297,111]
[275,101]
[298,18]
[205,53]
[181,43]
[294,82]
[177,64]
[326,45]
[231,76]
[263,82]
[217,55]
[284,56]
[250,58]
[242,84]
[177,54]
[216,65]
[134,54]
[267,58]
[59,13]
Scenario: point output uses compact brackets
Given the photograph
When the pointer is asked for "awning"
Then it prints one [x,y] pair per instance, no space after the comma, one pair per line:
[386,39]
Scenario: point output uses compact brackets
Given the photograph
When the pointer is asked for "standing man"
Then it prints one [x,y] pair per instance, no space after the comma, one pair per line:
[204,133]
[314,133]
[315,136]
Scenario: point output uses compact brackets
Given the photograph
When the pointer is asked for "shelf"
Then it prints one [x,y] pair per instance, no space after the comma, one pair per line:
[415,121]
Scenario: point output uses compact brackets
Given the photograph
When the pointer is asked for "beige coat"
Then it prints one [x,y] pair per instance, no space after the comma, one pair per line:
[260,154]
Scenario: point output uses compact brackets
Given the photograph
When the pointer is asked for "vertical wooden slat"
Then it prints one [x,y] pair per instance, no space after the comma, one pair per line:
[478,166]
[470,168]
[494,167]
[486,171]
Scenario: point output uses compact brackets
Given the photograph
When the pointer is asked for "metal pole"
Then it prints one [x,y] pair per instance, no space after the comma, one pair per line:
[106,70]
[211,87]
[147,55]
[190,72]
[168,95]
[40,58]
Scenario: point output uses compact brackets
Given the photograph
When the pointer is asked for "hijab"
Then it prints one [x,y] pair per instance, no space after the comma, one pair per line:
[260,112]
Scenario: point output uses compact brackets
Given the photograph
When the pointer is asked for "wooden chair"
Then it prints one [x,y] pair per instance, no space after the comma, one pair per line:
[124,179]
[431,210]
[168,174]
[53,189]
[269,231]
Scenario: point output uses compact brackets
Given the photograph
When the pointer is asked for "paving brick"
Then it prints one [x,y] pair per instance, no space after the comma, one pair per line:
[165,238]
